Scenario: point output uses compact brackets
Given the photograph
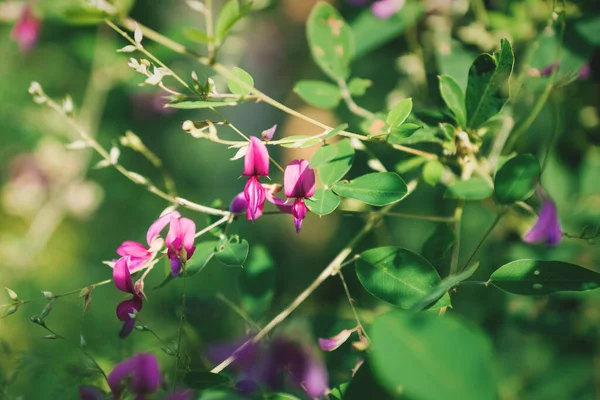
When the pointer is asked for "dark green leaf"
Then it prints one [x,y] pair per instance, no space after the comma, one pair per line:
[432,172]
[516,180]
[323,202]
[437,248]
[398,276]
[319,94]
[432,358]
[399,113]
[257,282]
[454,98]
[201,380]
[403,132]
[487,90]
[232,252]
[234,85]
[333,161]
[409,133]
[471,189]
[331,41]
[377,189]
[531,277]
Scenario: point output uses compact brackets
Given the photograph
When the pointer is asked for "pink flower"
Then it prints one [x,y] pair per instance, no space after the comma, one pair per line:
[179,241]
[299,183]
[268,134]
[141,373]
[123,282]
[384,9]
[27,30]
[332,343]
[256,164]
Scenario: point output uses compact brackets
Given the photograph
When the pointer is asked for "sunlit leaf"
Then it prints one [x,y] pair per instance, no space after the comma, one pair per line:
[319,94]
[377,189]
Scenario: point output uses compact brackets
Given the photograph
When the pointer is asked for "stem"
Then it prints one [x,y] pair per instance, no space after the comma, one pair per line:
[331,269]
[483,239]
[56,296]
[213,226]
[457,225]
[361,331]
[209,28]
[180,329]
[352,106]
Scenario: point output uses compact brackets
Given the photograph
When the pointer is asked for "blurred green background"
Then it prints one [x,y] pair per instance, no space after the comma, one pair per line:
[61,218]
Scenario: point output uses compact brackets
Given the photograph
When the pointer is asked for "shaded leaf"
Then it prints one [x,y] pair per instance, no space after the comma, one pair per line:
[516,180]
[232,252]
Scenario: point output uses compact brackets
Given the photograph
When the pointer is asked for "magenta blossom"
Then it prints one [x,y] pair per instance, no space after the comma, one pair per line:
[256,164]
[299,183]
[141,373]
[547,228]
[179,241]
[27,30]
[123,282]
[382,9]
[239,204]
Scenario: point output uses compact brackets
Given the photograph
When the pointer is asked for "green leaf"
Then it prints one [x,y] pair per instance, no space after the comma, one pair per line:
[403,132]
[437,248]
[197,35]
[333,161]
[331,41]
[323,202]
[454,98]
[298,141]
[409,164]
[230,14]
[398,276]
[201,380]
[195,104]
[444,286]
[432,172]
[471,189]
[377,189]
[319,94]
[257,282]
[432,358]
[232,252]
[234,85]
[372,32]
[358,86]
[204,252]
[487,90]
[532,277]
[409,133]
[335,131]
[516,180]
[399,113]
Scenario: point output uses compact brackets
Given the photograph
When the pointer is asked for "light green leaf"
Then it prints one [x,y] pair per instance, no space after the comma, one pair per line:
[230,14]
[532,277]
[487,90]
[398,276]
[403,132]
[319,94]
[377,189]
[471,189]
[454,98]
[232,252]
[432,172]
[333,161]
[516,180]
[234,85]
[323,202]
[331,41]
[257,282]
[335,131]
[399,113]
[432,358]
[359,86]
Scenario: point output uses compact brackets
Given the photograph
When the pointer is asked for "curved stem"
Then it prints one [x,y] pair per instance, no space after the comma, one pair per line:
[362,331]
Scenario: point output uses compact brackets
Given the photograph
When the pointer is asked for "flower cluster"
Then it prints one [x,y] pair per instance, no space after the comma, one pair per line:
[299,184]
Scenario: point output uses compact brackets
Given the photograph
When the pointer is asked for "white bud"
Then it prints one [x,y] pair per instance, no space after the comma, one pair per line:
[137,35]
[67,105]
[12,294]
[102,164]
[376,165]
[35,88]
[357,144]
[137,178]
[48,295]
[196,6]
[114,155]
[127,49]
[77,145]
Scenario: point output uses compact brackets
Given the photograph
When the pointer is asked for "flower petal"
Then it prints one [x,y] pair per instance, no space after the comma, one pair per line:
[255,196]
[299,213]
[122,276]
[173,239]
[547,228]
[134,249]
[118,375]
[27,30]
[256,161]
[268,134]
[188,232]
[330,344]
[238,204]
[299,179]
[384,9]
[128,307]
[159,225]
[126,328]
[146,377]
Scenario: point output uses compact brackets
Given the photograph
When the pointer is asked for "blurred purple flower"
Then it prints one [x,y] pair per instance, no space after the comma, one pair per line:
[270,364]
[150,104]
[27,30]
[256,164]
[585,71]
[141,373]
[547,228]
[299,183]
[91,393]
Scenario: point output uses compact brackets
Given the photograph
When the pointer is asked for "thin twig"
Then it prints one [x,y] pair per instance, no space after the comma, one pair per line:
[362,331]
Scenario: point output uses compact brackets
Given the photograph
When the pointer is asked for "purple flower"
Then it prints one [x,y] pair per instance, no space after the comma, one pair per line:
[141,373]
[91,393]
[547,228]
[239,204]
[268,134]
[330,344]
[27,30]
[299,183]
[123,282]
[256,164]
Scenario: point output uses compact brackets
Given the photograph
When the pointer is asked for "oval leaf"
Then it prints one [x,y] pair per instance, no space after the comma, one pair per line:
[454,98]
[531,277]
[239,76]
[232,252]
[432,172]
[319,94]
[377,189]
[471,189]
[333,161]
[398,114]
[331,41]
[431,358]
[516,180]
[398,276]
[323,202]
